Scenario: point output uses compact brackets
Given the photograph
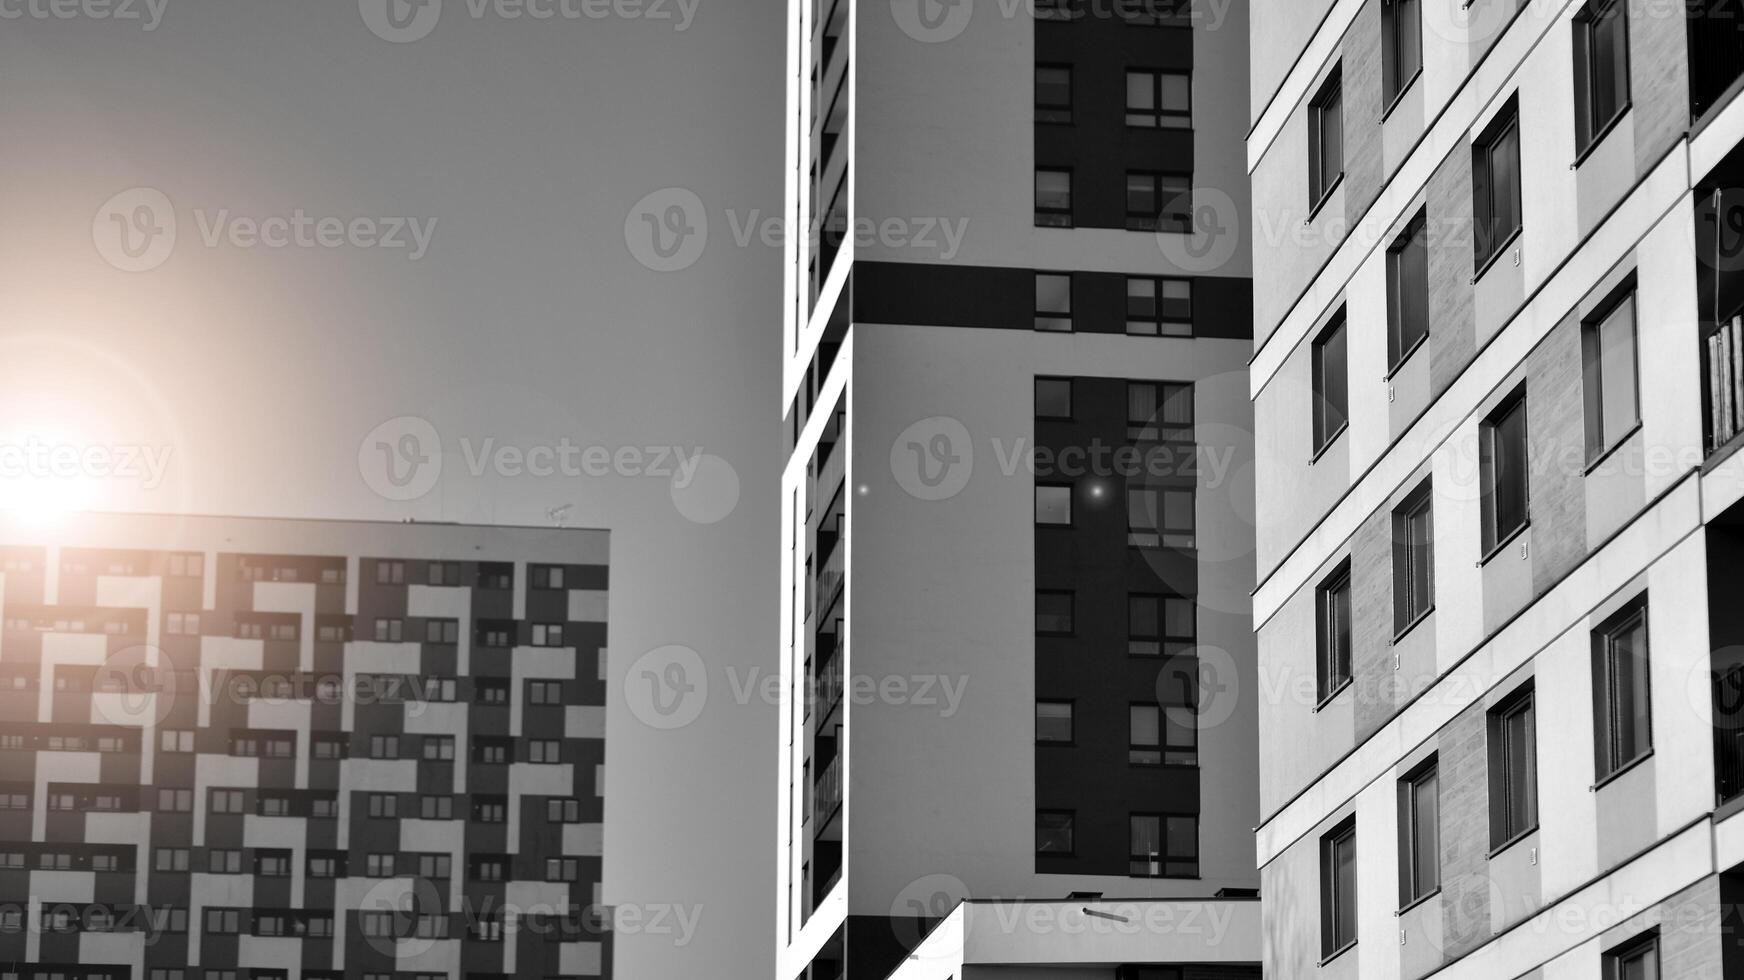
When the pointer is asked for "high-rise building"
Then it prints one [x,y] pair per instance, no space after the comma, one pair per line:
[1497,393]
[1017,542]
[246,749]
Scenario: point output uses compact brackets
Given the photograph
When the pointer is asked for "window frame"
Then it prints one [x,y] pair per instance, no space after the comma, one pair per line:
[1071,392]
[1069,827]
[1608,758]
[1333,666]
[1502,779]
[1070,504]
[1159,118]
[1070,705]
[1589,129]
[1064,112]
[1054,316]
[1399,346]
[1409,609]
[1599,441]
[1161,219]
[1490,240]
[1394,83]
[1071,612]
[1644,947]
[1326,105]
[1413,888]
[1337,935]
[1065,214]
[1165,857]
[1497,537]
[1337,329]
[1158,324]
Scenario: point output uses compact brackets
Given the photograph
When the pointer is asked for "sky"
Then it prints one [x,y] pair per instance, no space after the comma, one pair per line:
[371,259]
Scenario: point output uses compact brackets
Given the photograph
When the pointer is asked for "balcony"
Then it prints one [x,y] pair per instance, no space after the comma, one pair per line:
[826,801]
[1725,551]
[1719,216]
[1716,54]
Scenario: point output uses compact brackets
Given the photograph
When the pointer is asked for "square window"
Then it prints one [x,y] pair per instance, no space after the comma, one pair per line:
[1053,613]
[1159,100]
[1053,302]
[1159,307]
[1163,846]
[1053,722]
[1158,202]
[1053,505]
[1053,398]
[1054,832]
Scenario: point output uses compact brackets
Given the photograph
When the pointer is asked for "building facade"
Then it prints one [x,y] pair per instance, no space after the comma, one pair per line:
[1016,503]
[1496,394]
[244,749]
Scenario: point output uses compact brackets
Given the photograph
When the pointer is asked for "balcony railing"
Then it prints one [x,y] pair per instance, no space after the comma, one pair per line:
[1725,383]
[830,686]
[827,796]
[1729,734]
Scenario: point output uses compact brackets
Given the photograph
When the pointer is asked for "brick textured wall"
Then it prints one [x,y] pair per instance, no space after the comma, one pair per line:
[1364,166]
[1690,946]
[1371,579]
[1452,317]
[1556,432]
[1465,833]
[1658,79]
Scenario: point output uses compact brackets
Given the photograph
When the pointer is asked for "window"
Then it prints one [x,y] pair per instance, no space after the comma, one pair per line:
[1408,290]
[182,624]
[224,862]
[490,751]
[438,748]
[436,808]
[442,631]
[545,751]
[1401,47]
[1496,185]
[1145,743]
[495,632]
[1326,139]
[1054,832]
[491,691]
[442,573]
[1159,307]
[499,576]
[1160,517]
[558,810]
[1637,959]
[1338,888]
[547,634]
[1053,613]
[384,746]
[379,865]
[226,801]
[562,869]
[1053,398]
[171,859]
[390,572]
[1413,559]
[223,922]
[1053,302]
[1163,846]
[490,809]
[1513,740]
[435,866]
[384,806]
[1601,69]
[1502,460]
[1622,720]
[1053,94]
[544,692]
[1160,624]
[1159,100]
[1159,202]
[1419,834]
[175,800]
[546,576]
[1053,722]
[272,864]
[1053,504]
[176,740]
[1053,198]
[1609,376]
[1332,602]
[1331,384]
[389,630]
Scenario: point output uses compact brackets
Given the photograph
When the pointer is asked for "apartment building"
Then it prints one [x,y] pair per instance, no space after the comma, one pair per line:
[247,749]
[1496,391]
[1017,528]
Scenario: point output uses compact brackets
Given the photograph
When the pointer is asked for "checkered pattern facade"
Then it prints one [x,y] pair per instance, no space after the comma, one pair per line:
[241,752]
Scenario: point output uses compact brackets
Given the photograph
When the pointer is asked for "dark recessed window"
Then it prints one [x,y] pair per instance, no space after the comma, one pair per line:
[1331,383]
[1145,738]
[1413,558]
[1502,460]
[1159,100]
[1513,733]
[1053,302]
[1053,94]
[1496,185]
[1638,959]
[1053,722]
[1054,832]
[1338,888]
[1601,69]
[1609,376]
[1622,719]
[1053,504]
[1053,613]
[1326,138]
[1163,845]
[1158,202]
[1401,46]
[1159,307]
[1419,833]
[1158,624]
[1053,198]
[1332,621]
[1053,398]
[1408,290]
